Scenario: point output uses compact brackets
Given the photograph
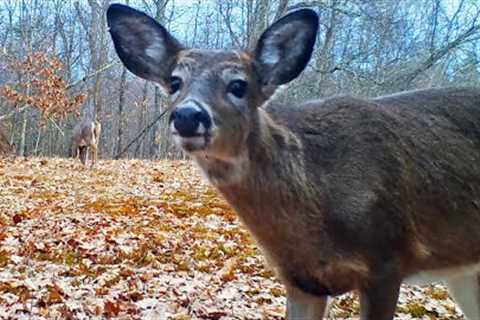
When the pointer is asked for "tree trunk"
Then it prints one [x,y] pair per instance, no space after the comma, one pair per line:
[37,142]
[121,103]
[155,143]
[155,148]
[141,121]
[23,134]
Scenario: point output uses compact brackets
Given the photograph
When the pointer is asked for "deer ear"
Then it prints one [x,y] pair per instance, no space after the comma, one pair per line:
[285,48]
[144,46]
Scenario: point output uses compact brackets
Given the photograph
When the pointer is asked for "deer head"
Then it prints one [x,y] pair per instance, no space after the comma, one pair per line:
[215,94]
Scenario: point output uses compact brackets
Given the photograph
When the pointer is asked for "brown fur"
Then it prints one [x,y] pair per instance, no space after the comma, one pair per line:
[86,135]
[342,193]
[371,178]
[393,180]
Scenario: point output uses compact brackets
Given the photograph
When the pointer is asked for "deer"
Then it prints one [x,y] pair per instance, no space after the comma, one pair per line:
[86,135]
[342,193]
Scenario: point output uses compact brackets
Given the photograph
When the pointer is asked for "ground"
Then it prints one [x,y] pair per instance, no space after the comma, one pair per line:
[141,240]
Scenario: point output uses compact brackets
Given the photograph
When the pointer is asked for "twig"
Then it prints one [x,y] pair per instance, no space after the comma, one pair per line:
[56,126]
[93,74]
[11,113]
[226,19]
[141,133]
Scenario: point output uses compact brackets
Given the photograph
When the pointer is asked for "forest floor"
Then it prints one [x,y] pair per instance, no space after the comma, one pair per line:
[141,240]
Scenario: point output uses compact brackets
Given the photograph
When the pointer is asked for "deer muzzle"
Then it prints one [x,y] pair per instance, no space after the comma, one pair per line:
[190,124]
[190,120]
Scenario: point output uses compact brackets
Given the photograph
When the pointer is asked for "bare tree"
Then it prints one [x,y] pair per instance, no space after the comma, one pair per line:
[363,48]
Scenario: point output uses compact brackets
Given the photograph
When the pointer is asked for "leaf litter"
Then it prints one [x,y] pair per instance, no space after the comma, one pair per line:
[135,239]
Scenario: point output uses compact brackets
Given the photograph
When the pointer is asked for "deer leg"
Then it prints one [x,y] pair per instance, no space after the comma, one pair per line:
[74,152]
[87,150]
[93,150]
[301,305]
[378,298]
[83,154]
[465,290]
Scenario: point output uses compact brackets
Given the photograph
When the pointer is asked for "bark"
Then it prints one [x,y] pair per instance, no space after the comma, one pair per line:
[95,29]
[155,144]
[121,102]
[141,120]
[258,22]
[23,135]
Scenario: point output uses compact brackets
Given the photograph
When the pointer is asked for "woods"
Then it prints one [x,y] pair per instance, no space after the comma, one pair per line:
[365,48]
[133,238]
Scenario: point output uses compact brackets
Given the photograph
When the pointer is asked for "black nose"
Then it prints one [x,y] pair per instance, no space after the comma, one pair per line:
[187,120]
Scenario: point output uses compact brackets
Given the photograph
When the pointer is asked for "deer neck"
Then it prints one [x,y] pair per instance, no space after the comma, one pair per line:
[267,184]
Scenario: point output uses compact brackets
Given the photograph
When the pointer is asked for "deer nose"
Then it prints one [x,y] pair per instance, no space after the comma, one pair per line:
[189,120]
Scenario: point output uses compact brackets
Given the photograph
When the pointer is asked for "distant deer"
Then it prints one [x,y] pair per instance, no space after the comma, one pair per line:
[86,134]
[343,193]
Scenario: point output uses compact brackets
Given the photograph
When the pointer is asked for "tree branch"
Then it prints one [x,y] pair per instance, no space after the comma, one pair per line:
[440,53]
[93,74]
[142,133]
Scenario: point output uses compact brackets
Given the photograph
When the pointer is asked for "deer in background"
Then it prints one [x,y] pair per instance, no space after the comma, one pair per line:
[86,135]
[343,193]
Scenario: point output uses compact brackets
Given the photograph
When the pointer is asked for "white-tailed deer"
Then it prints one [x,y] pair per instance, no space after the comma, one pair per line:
[342,194]
[86,134]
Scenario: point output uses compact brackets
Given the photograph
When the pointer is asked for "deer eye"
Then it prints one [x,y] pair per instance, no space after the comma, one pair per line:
[238,88]
[175,84]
